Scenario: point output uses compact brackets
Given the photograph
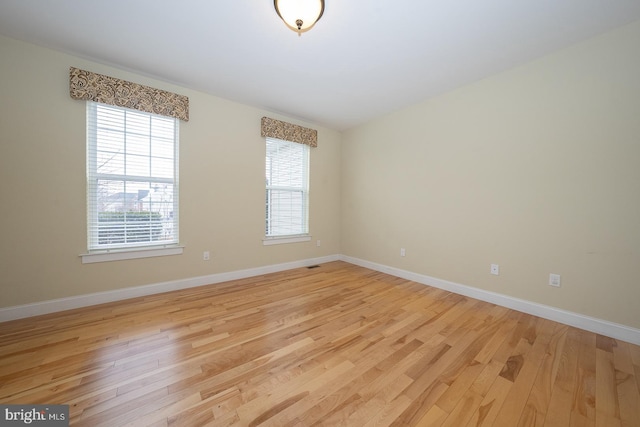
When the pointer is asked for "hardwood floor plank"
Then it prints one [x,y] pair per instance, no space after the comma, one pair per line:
[491,404]
[535,410]
[421,404]
[434,417]
[378,401]
[607,401]
[565,385]
[459,387]
[464,410]
[627,384]
[584,400]
[367,383]
[389,413]
[338,345]
[287,391]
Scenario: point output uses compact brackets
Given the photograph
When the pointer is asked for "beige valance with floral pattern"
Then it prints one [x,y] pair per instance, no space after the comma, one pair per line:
[89,86]
[273,128]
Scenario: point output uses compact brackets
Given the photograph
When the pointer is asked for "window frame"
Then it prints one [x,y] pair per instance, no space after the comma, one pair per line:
[301,235]
[97,252]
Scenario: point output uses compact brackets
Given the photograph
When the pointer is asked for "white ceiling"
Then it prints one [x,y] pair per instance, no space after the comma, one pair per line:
[363,59]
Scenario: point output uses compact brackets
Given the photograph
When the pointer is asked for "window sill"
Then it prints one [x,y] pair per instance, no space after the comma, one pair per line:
[122,254]
[267,241]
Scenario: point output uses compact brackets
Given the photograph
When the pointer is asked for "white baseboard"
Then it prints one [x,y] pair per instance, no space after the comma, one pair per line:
[61,304]
[598,326]
[603,327]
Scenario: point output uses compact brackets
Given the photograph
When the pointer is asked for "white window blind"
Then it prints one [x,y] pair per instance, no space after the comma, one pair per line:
[132,178]
[287,188]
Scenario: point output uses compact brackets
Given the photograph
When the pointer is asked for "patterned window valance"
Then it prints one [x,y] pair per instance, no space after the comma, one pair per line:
[273,128]
[89,86]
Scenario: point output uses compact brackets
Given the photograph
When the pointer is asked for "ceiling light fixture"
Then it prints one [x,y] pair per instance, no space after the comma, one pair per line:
[299,15]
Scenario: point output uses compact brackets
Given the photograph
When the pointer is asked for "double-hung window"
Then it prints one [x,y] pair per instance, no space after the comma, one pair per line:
[287,190]
[132,179]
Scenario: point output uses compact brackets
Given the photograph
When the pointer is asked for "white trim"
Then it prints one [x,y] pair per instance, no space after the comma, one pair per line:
[118,255]
[592,324]
[52,306]
[287,239]
[603,327]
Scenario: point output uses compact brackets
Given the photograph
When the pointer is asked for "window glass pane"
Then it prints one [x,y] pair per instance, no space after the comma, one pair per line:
[110,140]
[161,168]
[138,144]
[286,175]
[110,196]
[138,123]
[138,165]
[162,128]
[287,213]
[110,118]
[128,206]
[162,148]
[110,163]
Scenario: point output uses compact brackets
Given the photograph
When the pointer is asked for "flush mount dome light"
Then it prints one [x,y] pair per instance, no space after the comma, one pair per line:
[299,15]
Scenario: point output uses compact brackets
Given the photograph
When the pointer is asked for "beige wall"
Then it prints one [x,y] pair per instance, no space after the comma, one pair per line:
[536,169]
[42,186]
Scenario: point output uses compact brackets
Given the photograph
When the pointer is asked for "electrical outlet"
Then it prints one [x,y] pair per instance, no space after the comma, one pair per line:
[402,252]
[554,280]
[495,269]
[206,256]
[318,243]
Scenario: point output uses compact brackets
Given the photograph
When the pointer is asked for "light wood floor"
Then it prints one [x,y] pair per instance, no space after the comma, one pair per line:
[338,345]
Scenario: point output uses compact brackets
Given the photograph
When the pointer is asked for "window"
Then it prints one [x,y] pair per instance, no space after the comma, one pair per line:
[132,179]
[287,189]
